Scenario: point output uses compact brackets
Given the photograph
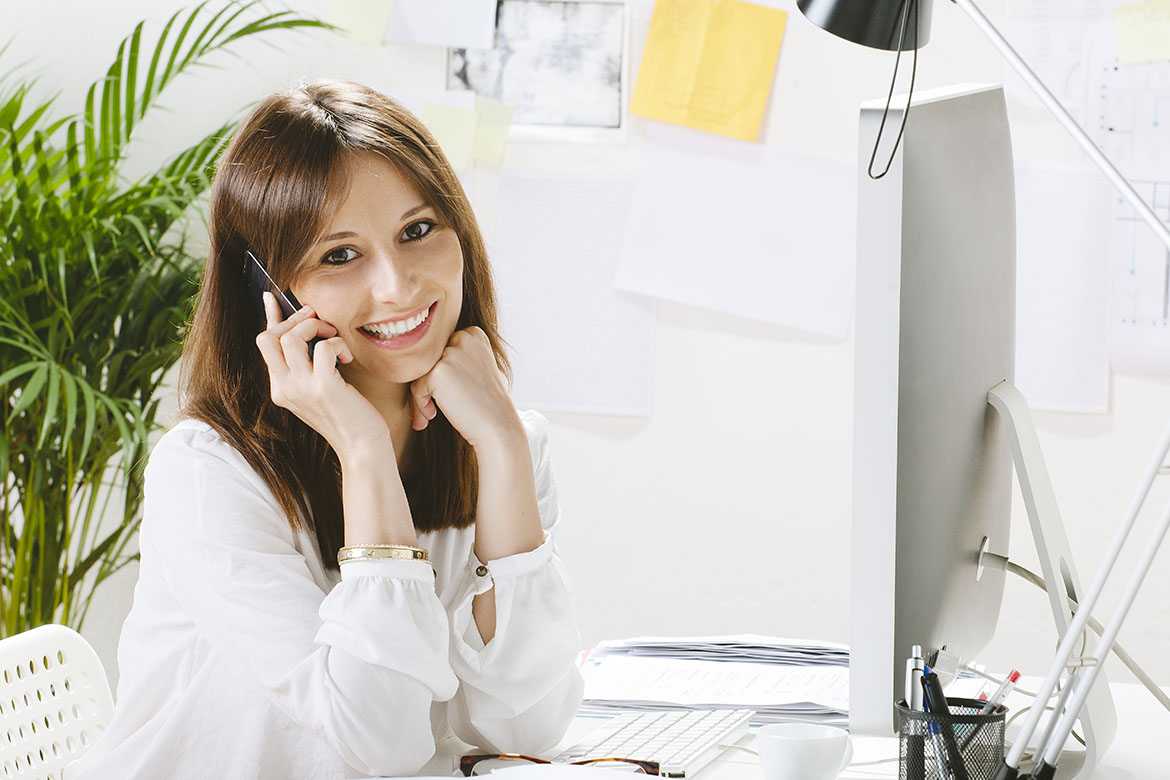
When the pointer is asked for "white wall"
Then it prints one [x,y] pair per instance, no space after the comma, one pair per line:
[728,509]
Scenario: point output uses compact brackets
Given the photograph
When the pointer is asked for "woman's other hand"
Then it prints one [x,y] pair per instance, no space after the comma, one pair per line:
[312,389]
[467,385]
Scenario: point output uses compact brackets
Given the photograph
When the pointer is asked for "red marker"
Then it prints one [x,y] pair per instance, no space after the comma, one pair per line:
[1001,693]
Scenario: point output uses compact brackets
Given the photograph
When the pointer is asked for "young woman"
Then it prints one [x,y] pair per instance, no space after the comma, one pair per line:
[346,554]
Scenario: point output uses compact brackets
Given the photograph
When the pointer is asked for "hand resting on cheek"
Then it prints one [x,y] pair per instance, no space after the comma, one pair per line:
[467,385]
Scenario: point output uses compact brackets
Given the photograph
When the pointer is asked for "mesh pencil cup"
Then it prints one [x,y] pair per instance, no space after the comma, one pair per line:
[922,749]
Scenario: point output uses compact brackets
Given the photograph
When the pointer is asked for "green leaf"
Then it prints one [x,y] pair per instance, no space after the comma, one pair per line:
[147,243]
[91,253]
[70,385]
[89,396]
[131,77]
[178,44]
[89,124]
[50,414]
[31,390]
[18,371]
[148,92]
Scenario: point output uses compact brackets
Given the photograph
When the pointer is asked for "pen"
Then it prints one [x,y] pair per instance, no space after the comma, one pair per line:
[915,741]
[1001,693]
[936,703]
[914,671]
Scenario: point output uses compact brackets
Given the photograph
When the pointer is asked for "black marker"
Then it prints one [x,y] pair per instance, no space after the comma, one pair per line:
[936,702]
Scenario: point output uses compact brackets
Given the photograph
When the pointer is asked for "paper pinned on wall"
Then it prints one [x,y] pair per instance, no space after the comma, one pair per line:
[1050,35]
[579,346]
[1143,31]
[455,23]
[560,63]
[752,231]
[363,20]
[454,129]
[709,64]
[491,133]
[1062,287]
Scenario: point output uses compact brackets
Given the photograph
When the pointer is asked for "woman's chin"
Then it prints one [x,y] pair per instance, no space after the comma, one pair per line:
[397,369]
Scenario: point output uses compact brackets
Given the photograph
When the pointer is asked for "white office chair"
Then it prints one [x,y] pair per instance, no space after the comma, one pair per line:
[54,699]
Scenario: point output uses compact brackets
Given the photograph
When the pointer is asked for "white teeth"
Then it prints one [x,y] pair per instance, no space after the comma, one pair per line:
[391,329]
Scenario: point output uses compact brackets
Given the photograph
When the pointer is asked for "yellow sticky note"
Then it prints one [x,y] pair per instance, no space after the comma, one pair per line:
[491,134]
[454,129]
[708,64]
[364,20]
[1143,31]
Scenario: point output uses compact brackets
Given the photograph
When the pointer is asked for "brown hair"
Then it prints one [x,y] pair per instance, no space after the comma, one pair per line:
[284,172]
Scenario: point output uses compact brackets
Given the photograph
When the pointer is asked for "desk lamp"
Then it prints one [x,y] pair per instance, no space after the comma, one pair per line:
[886,24]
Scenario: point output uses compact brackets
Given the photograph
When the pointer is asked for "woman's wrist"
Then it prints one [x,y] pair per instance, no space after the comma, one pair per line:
[506,440]
[374,499]
[355,456]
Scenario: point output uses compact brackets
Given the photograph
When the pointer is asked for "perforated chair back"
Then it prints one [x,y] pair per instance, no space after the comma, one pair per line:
[54,700]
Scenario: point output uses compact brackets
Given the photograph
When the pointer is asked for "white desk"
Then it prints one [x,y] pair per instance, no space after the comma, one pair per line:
[1138,753]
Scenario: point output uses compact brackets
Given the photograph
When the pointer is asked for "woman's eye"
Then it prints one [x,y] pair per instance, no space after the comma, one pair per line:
[338,256]
[417,230]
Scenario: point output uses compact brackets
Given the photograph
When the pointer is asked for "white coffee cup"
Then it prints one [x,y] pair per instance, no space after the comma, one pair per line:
[803,751]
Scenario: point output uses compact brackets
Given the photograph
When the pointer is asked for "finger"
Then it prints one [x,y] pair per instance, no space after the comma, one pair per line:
[273,355]
[327,353]
[295,342]
[282,326]
[421,396]
[272,312]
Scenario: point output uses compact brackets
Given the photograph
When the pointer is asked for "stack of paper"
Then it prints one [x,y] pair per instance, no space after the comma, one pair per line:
[780,679]
[741,647]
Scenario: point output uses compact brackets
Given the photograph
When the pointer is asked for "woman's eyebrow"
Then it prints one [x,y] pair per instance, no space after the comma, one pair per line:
[350,234]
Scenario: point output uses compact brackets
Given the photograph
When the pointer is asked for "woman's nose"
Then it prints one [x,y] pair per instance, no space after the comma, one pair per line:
[392,279]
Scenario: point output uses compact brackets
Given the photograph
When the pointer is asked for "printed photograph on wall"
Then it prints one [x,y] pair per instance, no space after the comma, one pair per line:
[560,64]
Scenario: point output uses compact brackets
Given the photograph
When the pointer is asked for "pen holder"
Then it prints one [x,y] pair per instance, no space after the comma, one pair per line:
[922,750]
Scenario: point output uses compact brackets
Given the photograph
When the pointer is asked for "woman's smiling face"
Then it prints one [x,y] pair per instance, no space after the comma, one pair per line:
[388,275]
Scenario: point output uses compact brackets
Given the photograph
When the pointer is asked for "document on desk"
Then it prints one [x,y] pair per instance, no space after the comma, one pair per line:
[730,647]
[776,691]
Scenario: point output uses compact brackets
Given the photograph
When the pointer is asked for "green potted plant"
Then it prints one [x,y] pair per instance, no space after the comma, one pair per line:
[95,288]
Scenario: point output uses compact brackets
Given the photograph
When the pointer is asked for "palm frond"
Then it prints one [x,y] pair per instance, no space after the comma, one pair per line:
[95,289]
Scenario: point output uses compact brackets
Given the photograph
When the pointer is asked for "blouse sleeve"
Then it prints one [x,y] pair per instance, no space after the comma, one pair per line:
[520,692]
[359,666]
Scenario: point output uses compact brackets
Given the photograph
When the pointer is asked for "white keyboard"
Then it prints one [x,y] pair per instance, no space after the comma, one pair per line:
[682,742]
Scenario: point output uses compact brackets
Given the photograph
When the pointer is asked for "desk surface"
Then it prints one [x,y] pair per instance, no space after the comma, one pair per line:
[1137,753]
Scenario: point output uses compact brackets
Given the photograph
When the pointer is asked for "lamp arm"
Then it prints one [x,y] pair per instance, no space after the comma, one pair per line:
[1066,121]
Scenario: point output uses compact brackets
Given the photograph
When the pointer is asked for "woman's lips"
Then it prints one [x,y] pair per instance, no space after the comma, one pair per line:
[403,340]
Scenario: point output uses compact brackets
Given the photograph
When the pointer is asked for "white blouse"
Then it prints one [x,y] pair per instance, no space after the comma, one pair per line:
[245,657]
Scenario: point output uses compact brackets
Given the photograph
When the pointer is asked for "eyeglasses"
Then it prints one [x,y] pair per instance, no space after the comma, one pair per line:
[478,765]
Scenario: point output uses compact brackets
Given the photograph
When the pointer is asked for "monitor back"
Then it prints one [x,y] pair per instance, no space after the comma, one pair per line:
[935,331]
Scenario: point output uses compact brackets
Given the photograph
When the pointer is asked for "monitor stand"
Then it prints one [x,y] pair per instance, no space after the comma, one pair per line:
[1098,718]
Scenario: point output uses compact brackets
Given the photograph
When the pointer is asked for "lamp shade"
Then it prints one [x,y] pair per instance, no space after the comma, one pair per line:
[872,23]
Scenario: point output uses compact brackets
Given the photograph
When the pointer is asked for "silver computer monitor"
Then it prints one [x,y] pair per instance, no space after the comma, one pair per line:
[935,331]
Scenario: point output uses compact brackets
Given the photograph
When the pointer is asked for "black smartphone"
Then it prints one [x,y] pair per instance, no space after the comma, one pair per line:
[258,281]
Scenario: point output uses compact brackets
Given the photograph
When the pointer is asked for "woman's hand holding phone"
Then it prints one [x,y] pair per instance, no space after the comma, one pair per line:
[312,389]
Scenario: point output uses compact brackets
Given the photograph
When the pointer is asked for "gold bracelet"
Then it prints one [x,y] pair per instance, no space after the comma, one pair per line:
[369,552]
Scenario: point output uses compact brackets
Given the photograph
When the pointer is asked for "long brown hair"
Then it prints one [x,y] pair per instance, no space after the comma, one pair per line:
[284,173]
